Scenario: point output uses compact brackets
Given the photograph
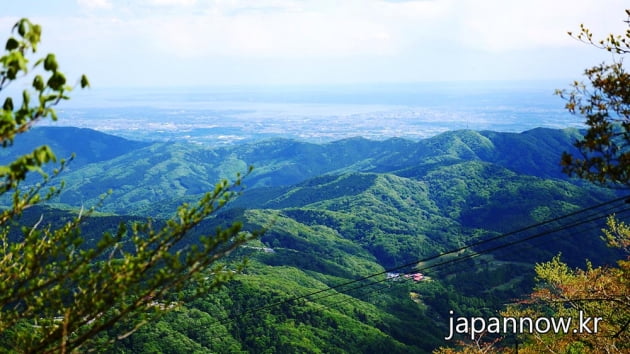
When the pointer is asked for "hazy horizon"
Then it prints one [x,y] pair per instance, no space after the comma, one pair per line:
[316,113]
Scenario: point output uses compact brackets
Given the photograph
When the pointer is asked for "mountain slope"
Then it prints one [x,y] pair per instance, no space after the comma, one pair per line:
[397,199]
[399,219]
[344,212]
[535,152]
[166,173]
[89,145]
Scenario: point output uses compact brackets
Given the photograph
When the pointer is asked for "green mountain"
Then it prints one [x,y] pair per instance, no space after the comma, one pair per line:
[535,152]
[166,173]
[340,212]
[88,145]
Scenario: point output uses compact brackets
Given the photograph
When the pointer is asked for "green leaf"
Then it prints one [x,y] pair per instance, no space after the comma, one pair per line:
[34,36]
[44,154]
[22,27]
[11,73]
[38,83]
[26,98]
[56,81]
[12,44]
[84,81]
[53,114]
[8,104]
[50,63]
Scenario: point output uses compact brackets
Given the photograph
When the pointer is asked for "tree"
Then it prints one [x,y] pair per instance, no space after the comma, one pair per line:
[57,294]
[593,292]
[561,293]
[605,159]
[605,103]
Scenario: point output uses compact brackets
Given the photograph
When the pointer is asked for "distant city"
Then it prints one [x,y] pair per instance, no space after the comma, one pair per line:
[223,116]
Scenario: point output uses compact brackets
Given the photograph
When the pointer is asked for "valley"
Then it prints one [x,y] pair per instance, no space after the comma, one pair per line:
[340,215]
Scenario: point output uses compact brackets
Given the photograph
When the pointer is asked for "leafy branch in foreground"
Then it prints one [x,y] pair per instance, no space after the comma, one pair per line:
[605,103]
[562,292]
[59,292]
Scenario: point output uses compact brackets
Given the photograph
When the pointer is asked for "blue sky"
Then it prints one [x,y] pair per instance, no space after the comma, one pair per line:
[166,43]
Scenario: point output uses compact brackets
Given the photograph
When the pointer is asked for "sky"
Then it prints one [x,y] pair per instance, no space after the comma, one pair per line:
[173,43]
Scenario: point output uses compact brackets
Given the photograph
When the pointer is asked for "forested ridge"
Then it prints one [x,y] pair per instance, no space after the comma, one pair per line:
[342,211]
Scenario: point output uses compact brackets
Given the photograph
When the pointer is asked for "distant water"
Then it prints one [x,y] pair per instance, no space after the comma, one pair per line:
[227,115]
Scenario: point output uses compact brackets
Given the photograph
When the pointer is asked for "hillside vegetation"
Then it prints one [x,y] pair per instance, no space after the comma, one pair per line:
[342,211]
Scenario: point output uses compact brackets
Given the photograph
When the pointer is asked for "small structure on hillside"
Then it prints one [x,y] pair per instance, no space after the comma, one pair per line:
[415,277]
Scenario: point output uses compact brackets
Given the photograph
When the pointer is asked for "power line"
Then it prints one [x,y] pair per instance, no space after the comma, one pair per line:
[435,257]
[466,257]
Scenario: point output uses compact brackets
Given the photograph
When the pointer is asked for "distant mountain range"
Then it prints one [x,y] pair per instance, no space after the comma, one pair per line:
[171,170]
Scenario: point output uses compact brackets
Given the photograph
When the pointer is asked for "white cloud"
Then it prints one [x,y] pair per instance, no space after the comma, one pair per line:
[95,4]
[171,2]
[498,25]
[327,28]
[323,40]
[274,30]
